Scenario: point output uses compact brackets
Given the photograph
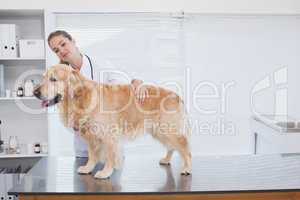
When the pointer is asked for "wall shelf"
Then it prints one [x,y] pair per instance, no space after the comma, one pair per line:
[16,59]
[17,98]
[23,62]
[2,155]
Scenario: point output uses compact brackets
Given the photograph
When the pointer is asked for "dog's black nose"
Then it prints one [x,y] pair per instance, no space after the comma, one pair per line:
[37,92]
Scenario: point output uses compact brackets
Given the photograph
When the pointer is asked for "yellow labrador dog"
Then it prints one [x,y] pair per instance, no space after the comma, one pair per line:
[106,114]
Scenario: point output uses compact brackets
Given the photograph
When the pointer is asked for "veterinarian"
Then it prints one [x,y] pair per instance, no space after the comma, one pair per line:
[64,46]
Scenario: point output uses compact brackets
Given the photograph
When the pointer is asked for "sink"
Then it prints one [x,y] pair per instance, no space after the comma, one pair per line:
[290,127]
[281,123]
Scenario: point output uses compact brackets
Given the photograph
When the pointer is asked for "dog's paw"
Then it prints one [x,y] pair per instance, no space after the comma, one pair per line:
[103,174]
[84,170]
[186,172]
[164,161]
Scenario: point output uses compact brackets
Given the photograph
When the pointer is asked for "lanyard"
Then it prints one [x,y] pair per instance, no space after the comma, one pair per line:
[91,66]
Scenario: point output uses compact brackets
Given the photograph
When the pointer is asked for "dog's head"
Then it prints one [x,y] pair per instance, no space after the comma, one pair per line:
[54,84]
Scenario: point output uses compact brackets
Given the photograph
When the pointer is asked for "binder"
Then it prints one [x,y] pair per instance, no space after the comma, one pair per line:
[2,86]
[9,36]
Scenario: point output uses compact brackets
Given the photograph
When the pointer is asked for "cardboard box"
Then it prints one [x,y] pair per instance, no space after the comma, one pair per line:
[32,48]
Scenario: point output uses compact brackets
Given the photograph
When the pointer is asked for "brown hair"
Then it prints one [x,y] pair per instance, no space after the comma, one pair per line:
[58,33]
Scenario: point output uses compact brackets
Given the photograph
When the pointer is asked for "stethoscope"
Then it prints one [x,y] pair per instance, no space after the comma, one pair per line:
[91,66]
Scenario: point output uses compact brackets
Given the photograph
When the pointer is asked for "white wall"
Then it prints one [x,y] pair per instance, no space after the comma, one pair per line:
[203,6]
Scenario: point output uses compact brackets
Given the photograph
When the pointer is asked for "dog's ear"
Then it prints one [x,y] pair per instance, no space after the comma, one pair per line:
[81,97]
[78,86]
[79,92]
[73,82]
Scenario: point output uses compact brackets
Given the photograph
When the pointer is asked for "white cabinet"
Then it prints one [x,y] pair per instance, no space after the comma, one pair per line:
[22,116]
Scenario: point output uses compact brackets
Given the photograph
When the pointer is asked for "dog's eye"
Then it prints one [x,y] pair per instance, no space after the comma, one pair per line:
[53,79]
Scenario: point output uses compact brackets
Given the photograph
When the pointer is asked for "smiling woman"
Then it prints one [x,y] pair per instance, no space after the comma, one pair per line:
[64,46]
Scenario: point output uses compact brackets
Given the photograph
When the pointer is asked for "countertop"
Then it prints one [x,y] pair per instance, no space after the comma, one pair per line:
[143,175]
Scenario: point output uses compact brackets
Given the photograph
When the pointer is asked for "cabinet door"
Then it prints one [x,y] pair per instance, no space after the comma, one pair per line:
[2,187]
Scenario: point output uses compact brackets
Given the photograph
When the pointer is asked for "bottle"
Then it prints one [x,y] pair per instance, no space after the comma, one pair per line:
[37,148]
[13,144]
[20,91]
[28,86]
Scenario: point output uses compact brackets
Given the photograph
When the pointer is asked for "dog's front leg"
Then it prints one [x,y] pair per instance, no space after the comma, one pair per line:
[93,153]
[111,153]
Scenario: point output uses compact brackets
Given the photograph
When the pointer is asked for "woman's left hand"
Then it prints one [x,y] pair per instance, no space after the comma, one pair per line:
[141,92]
